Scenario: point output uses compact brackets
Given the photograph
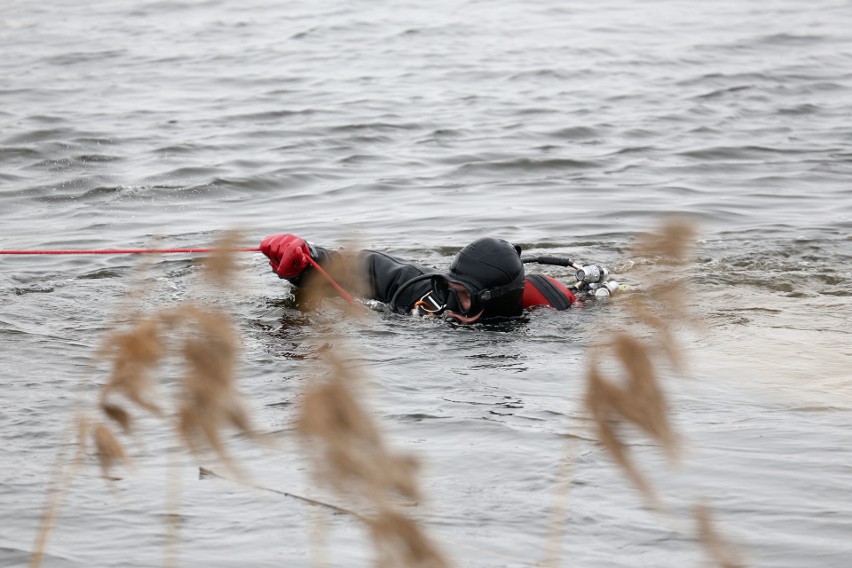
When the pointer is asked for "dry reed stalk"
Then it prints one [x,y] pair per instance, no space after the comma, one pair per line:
[350,456]
[204,339]
[347,269]
[110,450]
[612,406]
[221,267]
[672,242]
[318,537]
[558,516]
[171,546]
[207,401]
[204,473]
[353,453]
[400,541]
[134,355]
[720,551]
[58,488]
[348,452]
[637,399]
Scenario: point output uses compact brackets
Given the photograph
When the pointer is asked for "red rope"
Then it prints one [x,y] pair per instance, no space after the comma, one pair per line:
[325,274]
[337,286]
[132,251]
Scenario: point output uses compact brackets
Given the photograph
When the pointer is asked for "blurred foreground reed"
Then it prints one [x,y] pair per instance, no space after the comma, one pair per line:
[199,339]
[624,394]
[344,445]
[347,449]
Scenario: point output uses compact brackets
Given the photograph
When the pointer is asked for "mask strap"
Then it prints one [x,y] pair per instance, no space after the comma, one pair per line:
[491,293]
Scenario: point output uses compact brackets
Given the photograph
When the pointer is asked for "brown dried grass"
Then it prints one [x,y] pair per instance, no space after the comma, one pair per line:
[401,541]
[221,268]
[634,400]
[348,452]
[348,271]
[204,341]
[110,451]
[353,454]
[345,446]
[64,470]
[722,553]
[207,401]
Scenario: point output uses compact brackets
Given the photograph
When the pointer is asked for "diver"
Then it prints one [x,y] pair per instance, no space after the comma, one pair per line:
[485,281]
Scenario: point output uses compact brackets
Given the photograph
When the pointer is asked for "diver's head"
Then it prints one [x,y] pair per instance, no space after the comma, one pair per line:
[485,280]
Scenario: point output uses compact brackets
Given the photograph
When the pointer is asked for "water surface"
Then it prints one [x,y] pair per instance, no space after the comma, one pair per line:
[570,129]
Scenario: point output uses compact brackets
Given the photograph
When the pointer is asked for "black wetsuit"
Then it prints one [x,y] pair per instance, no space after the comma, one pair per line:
[384,275]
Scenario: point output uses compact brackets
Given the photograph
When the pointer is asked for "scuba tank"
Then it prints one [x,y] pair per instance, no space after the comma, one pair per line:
[590,280]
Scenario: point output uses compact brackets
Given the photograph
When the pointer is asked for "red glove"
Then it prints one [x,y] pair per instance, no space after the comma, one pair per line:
[288,254]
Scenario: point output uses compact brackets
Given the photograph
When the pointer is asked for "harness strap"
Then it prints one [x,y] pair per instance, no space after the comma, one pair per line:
[548,289]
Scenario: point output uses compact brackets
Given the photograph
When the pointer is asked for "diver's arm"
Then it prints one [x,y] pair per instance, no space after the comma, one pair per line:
[386,275]
[375,275]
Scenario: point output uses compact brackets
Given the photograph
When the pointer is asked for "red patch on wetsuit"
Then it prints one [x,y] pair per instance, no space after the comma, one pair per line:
[533,297]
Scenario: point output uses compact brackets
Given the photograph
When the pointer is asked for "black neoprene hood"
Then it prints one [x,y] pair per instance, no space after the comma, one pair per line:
[491,269]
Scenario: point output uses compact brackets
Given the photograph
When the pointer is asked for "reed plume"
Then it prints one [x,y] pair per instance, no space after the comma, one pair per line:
[348,452]
[353,452]
[203,340]
[717,548]
[634,397]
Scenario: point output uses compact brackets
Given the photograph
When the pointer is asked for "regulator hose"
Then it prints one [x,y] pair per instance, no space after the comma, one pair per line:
[552,260]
